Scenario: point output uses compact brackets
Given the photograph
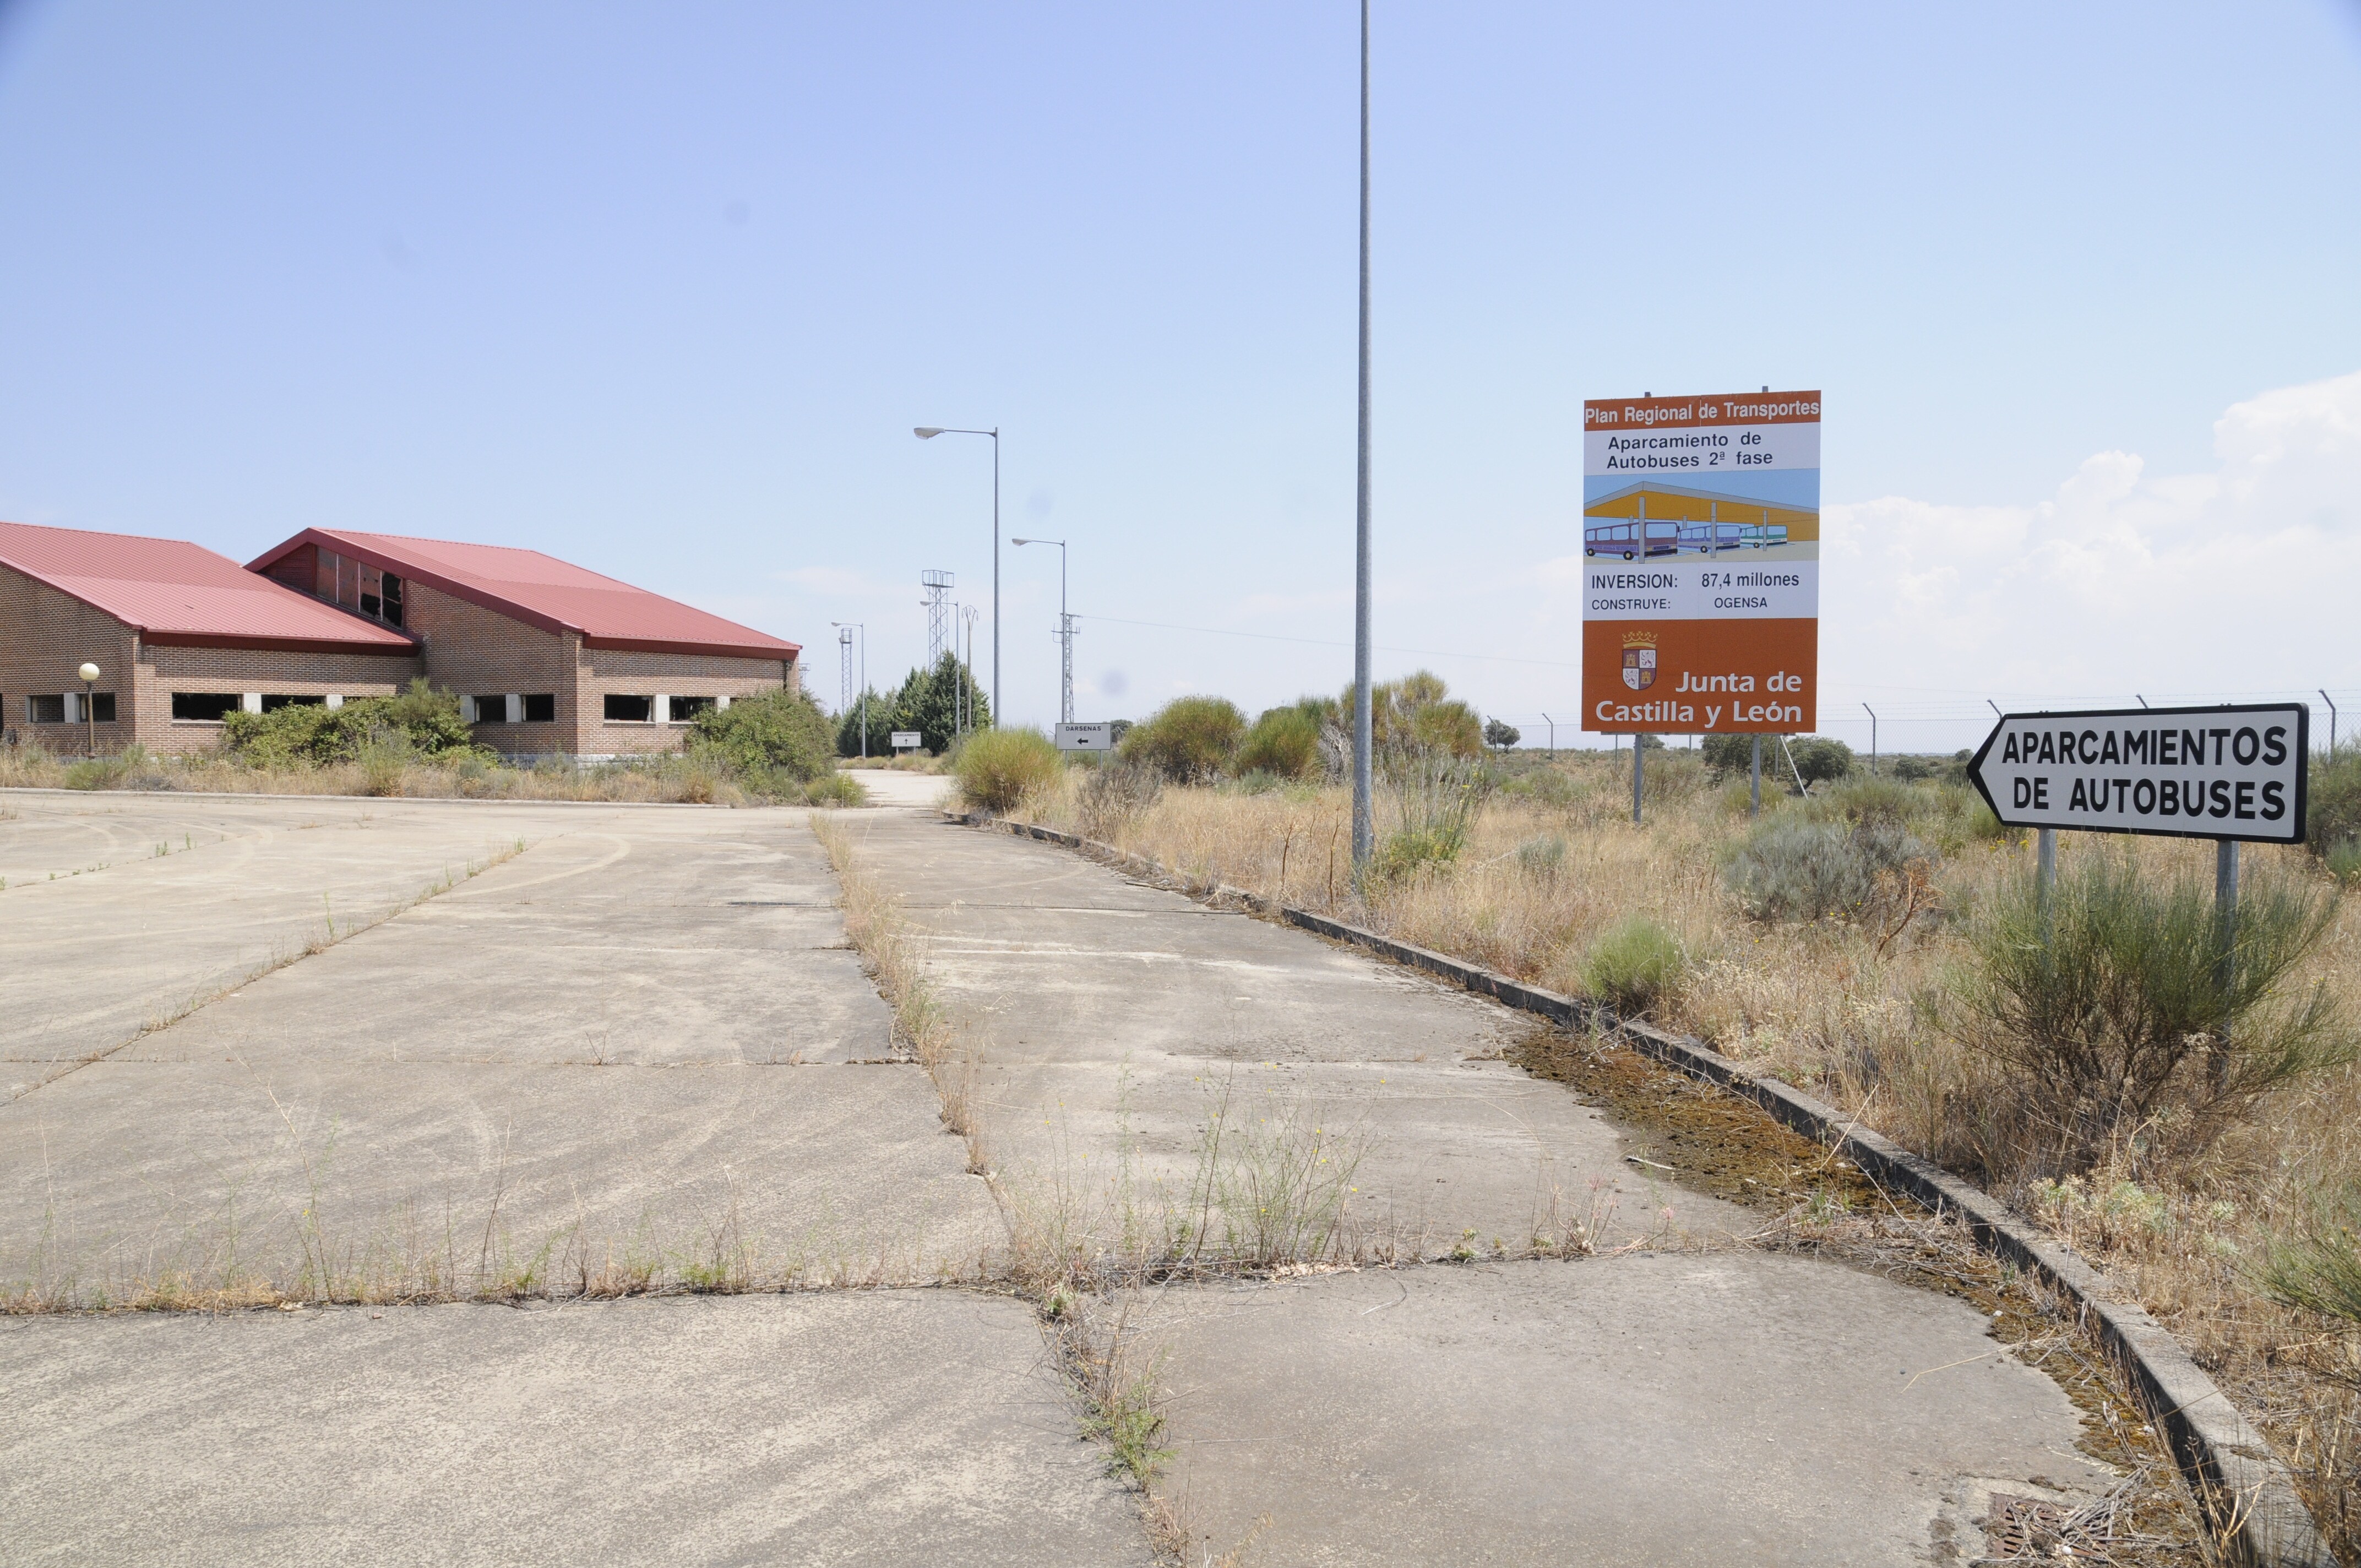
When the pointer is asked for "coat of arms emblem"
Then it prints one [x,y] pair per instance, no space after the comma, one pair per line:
[1640,660]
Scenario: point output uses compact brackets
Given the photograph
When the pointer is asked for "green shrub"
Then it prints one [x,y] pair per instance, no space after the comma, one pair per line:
[998,769]
[2110,1005]
[780,734]
[384,755]
[311,734]
[1820,759]
[1284,741]
[1544,857]
[1403,853]
[2344,862]
[1795,869]
[1191,739]
[133,767]
[2317,1267]
[2333,814]
[1417,712]
[1726,754]
[1634,964]
[835,789]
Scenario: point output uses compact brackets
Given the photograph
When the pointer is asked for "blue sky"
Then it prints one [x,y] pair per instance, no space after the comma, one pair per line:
[663,290]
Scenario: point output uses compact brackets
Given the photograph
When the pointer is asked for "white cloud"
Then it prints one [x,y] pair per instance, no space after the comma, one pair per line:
[2238,580]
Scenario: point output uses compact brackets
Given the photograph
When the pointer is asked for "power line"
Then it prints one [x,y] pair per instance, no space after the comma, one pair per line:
[1327,642]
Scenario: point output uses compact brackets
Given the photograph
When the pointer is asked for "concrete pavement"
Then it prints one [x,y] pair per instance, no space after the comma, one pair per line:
[1710,1404]
[852,1428]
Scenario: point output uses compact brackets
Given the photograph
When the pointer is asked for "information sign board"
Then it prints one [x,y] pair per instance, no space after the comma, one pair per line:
[1086,737]
[2232,772]
[908,739]
[1701,563]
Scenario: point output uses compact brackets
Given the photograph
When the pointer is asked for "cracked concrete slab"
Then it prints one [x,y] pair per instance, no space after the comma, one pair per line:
[868,1428]
[1115,1019]
[1637,1411]
[97,956]
[588,1056]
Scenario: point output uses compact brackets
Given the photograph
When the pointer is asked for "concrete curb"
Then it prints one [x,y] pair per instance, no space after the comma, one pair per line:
[2253,1502]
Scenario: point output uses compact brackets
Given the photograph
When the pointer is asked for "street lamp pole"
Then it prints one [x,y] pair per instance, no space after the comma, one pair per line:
[928,433]
[1364,832]
[857,626]
[89,674]
[1065,635]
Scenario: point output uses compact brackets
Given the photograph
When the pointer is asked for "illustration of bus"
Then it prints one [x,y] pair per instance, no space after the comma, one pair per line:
[1625,539]
[1651,517]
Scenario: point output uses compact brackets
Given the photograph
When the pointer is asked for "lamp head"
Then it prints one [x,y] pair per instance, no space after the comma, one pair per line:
[1020,541]
[88,674]
[927,431]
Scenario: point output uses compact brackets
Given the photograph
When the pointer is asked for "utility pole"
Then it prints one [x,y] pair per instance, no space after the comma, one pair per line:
[847,627]
[928,433]
[1065,635]
[1364,830]
[2331,721]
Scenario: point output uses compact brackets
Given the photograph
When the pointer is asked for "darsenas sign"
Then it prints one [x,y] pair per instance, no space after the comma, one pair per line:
[2233,771]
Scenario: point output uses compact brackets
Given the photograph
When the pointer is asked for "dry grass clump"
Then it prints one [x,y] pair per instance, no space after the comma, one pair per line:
[1830,945]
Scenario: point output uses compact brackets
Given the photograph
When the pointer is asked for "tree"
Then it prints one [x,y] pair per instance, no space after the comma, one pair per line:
[929,703]
[1819,758]
[1500,735]
[879,717]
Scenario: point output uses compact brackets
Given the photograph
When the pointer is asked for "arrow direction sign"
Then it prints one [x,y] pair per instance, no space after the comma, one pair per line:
[2231,771]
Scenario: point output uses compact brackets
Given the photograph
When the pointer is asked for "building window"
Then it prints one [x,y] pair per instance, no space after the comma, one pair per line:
[51,709]
[392,597]
[102,707]
[492,710]
[540,708]
[273,701]
[203,708]
[630,710]
[684,709]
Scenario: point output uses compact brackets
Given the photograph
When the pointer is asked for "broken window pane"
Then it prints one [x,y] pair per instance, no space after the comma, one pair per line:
[204,707]
[630,710]
[684,709]
[540,708]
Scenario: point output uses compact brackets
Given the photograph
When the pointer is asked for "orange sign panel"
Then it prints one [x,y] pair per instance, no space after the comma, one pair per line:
[1701,563]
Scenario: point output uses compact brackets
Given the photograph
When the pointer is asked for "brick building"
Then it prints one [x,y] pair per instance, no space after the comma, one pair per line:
[545,656]
[180,636]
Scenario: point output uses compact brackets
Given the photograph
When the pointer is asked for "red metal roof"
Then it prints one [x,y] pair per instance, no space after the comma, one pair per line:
[172,591]
[544,591]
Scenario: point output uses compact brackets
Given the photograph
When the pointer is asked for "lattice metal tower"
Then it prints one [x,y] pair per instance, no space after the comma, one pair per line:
[939,614]
[844,670]
[1066,629]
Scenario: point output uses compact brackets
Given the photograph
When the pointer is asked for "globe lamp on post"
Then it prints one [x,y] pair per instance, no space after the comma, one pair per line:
[89,674]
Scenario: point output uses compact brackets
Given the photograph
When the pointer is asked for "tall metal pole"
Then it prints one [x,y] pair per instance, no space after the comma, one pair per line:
[1364,831]
[1639,774]
[2331,721]
[928,433]
[1066,645]
[1552,724]
[996,573]
[1872,736]
[1755,785]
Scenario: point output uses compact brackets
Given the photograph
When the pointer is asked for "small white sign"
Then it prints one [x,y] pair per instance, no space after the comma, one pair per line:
[907,739]
[1086,737]
[2232,772]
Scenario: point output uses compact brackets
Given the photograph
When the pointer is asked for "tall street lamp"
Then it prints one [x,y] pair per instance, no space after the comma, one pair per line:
[89,674]
[1364,831]
[857,626]
[928,433]
[1065,635]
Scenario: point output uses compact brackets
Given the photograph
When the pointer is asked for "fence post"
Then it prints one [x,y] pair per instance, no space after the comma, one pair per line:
[1754,792]
[1639,768]
[2225,928]
[2045,874]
